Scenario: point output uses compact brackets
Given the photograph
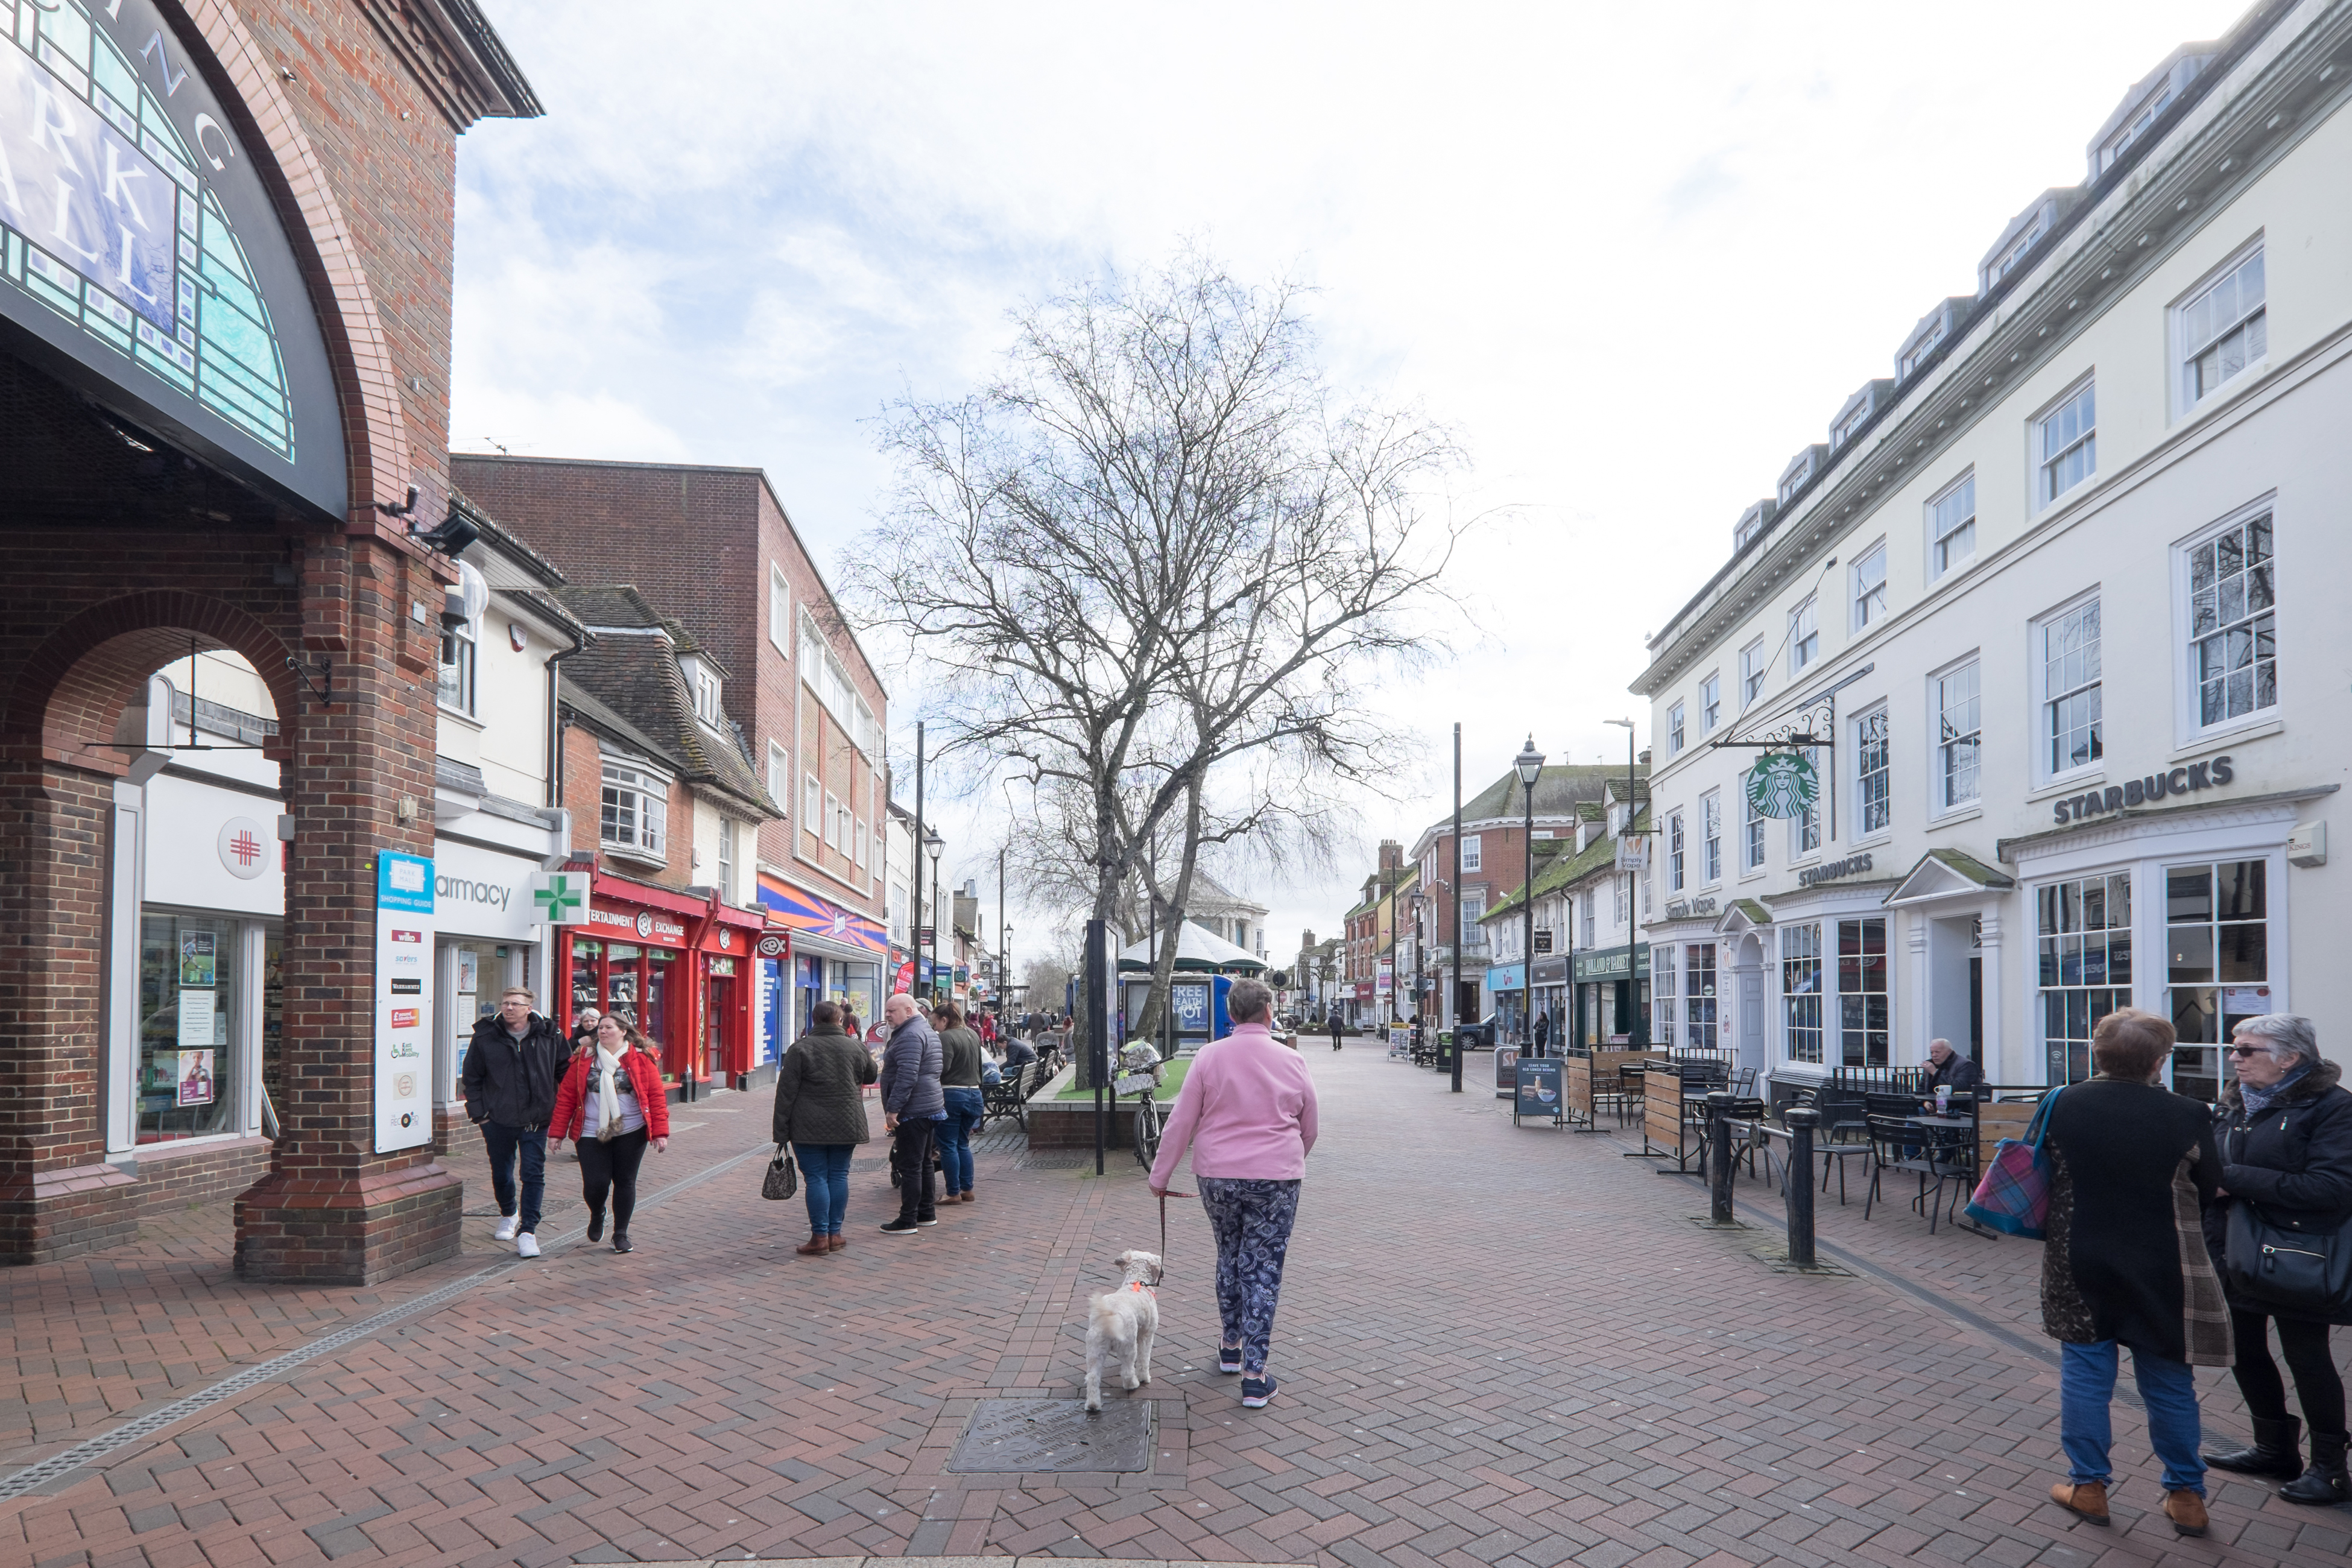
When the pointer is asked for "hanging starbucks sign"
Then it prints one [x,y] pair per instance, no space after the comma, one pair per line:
[1782,784]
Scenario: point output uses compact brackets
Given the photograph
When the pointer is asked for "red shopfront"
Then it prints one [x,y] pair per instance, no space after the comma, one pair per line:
[684,968]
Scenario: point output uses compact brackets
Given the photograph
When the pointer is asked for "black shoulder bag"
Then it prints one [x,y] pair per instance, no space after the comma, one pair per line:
[2285,1269]
[783,1178]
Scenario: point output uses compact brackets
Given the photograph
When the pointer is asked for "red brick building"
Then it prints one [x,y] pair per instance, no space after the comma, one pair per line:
[226,398]
[714,548]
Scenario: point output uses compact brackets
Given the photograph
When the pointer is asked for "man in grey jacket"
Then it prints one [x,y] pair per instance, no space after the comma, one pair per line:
[913,1106]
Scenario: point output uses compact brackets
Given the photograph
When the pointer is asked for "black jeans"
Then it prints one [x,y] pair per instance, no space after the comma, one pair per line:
[2305,1345]
[917,1198]
[505,1143]
[613,1168]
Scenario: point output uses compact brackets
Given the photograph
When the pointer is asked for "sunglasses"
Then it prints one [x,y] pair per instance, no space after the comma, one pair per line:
[2246,1050]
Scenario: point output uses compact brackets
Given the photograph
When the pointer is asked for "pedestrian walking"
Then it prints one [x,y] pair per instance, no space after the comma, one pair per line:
[613,1101]
[1335,1024]
[2286,1139]
[821,1113]
[1246,1114]
[2123,1263]
[509,1088]
[582,1039]
[1543,1032]
[913,1106]
[960,1056]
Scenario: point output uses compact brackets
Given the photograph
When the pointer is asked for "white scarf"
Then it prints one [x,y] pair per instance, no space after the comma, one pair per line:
[608,1104]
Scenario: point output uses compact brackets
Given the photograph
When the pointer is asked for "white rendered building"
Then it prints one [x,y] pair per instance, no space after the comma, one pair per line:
[2057,598]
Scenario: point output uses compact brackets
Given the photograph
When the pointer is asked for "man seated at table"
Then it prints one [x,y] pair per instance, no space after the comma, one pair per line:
[1948,1067]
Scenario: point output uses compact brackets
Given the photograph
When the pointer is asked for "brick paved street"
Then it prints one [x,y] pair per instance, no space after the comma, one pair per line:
[1497,1346]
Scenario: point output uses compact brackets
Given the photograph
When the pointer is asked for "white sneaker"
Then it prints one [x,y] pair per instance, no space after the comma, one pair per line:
[526,1246]
[506,1231]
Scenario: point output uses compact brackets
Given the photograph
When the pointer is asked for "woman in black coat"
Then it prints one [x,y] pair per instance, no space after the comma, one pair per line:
[821,1111]
[2287,1146]
[2131,1166]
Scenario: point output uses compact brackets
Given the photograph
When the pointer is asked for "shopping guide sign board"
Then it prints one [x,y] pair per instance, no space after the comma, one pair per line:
[404,1001]
[1539,1090]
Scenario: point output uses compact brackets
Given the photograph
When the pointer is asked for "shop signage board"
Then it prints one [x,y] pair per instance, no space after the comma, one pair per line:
[1539,1092]
[559,898]
[1782,784]
[1612,963]
[404,1001]
[1633,853]
[2212,773]
[1190,1001]
[144,260]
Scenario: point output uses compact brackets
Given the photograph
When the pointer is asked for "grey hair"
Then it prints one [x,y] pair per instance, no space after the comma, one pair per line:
[2286,1034]
[1249,1002]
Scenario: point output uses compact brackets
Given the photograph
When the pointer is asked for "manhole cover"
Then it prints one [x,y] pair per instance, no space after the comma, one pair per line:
[1045,1436]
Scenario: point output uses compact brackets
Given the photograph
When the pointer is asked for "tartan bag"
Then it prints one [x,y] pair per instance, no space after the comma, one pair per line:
[784,1177]
[2014,1196]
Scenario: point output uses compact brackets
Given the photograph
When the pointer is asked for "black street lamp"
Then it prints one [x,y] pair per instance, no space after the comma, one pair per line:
[1420,901]
[1637,1029]
[1528,764]
[933,844]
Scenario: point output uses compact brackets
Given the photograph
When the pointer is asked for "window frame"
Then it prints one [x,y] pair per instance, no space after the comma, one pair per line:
[813,805]
[1864,832]
[2041,464]
[780,772]
[650,792]
[709,696]
[1939,802]
[1710,834]
[1474,853]
[727,857]
[1862,590]
[2189,721]
[1676,731]
[2045,769]
[779,609]
[1676,845]
[1799,1021]
[1805,634]
[1751,831]
[1941,562]
[467,644]
[1753,672]
[2186,399]
[1710,703]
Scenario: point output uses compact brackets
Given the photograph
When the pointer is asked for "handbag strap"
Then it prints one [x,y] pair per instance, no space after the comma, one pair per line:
[2041,1127]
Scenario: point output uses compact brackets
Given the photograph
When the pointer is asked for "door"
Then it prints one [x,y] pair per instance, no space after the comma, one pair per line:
[1751,1017]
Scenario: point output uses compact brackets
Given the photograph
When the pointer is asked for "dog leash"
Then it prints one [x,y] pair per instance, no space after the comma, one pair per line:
[1164,1223]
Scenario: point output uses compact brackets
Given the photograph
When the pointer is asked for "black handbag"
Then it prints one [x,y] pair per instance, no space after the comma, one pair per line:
[2282,1268]
[784,1177]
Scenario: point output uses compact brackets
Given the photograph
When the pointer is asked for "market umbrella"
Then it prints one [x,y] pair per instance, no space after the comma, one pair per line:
[1198,950]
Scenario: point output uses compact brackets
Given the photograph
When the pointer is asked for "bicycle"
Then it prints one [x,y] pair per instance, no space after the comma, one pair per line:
[1140,1077]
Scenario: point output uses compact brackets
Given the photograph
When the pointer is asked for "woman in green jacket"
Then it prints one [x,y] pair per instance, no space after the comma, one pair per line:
[821,1111]
[959,1053]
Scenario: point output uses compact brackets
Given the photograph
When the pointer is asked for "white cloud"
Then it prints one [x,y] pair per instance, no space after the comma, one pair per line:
[1638,255]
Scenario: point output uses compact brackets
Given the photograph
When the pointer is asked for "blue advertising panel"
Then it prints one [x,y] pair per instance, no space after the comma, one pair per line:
[1192,998]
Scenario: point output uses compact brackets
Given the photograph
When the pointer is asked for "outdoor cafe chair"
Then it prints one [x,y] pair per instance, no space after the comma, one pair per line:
[1931,1153]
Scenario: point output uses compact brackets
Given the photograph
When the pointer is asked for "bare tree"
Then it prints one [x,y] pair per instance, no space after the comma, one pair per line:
[1159,548]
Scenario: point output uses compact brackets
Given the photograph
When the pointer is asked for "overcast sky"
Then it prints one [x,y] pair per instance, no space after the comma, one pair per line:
[1636,255]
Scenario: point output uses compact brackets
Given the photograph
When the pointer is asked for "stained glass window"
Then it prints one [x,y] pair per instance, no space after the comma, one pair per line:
[136,248]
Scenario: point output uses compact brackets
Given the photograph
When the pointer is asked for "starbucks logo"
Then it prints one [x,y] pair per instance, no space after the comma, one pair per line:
[1782,784]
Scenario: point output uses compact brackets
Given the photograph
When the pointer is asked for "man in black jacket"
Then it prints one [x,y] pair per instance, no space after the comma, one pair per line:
[509,1087]
[1946,1065]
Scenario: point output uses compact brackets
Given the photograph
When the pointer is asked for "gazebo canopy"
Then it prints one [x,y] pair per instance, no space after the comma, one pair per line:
[1198,951]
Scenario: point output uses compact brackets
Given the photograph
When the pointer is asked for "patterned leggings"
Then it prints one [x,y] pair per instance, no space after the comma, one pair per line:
[1252,1220]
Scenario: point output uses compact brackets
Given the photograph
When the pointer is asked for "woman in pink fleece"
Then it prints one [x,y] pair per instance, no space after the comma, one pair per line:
[1247,1114]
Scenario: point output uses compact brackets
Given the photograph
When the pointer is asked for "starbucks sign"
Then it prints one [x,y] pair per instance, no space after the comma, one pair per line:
[1782,784]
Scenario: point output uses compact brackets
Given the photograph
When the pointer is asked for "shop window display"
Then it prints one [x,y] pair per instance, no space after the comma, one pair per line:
[189,1075]
[2217,963]
[2084,927]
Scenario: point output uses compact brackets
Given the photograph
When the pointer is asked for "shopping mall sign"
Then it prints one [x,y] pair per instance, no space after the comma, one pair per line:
[144,260]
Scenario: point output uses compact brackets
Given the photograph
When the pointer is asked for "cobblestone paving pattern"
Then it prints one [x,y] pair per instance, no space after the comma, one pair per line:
[1497,1346]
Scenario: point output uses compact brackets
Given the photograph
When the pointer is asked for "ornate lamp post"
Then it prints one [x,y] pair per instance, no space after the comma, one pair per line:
[1528,764]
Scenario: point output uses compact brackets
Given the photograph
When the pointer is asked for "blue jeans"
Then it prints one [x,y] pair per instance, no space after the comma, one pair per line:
[825,1182]
[955,1139]
[2086,1387]
[504,1143]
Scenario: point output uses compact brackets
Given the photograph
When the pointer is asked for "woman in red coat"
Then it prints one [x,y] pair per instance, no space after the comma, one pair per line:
[613,1101]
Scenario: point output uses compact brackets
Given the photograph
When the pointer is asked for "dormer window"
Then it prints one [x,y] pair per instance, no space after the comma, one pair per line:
[1917,355]
[2135,126]
[702,684]
[2016,249]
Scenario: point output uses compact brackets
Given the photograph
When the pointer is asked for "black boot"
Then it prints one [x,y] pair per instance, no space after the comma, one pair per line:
[2277,1451]
[2326,1482]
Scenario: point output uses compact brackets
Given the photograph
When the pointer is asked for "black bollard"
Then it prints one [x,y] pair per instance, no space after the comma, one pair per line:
[1801,1121]
[1719,1122]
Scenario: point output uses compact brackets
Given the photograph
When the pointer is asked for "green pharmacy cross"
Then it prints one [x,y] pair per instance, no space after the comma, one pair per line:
[563,900]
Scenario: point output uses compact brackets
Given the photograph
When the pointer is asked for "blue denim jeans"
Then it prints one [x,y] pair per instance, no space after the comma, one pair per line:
[955,1139]
[504,1143]
[825,1182]
[2086,1387]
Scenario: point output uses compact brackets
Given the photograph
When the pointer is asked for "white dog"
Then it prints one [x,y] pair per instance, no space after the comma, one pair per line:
[1121,1323]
